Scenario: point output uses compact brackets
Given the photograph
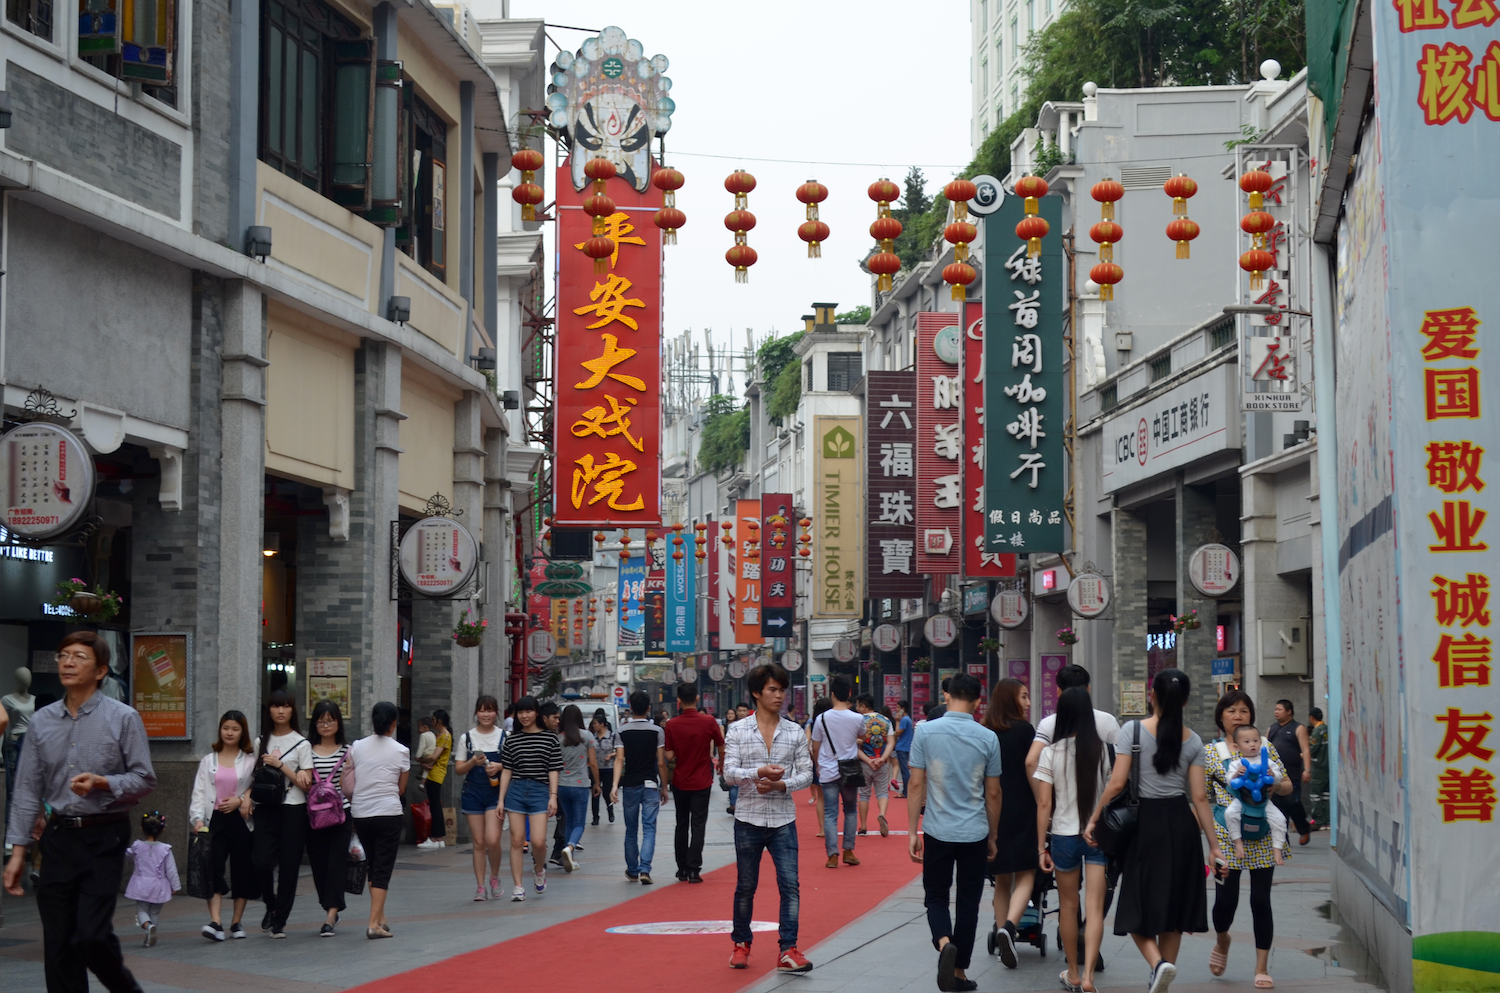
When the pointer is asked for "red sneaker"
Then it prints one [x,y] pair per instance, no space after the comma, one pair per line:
[792,961]
[741,957]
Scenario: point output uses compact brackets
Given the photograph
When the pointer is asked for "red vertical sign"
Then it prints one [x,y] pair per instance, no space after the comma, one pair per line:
[940,445]
[747,582]
[711,566]
[778,552]
[978,564]
[607,460]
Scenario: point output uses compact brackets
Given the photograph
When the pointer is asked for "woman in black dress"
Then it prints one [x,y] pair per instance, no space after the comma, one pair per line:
[1014,867]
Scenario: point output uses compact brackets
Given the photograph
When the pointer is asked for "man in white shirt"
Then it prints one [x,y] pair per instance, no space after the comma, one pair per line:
[835,737]
[1068,677]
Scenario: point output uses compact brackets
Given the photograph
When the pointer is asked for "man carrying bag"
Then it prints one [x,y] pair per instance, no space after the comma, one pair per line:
[835,751]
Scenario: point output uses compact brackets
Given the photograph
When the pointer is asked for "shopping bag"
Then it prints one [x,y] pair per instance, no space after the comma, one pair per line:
[354,876]
[200,883]
[450,823]
[421,820]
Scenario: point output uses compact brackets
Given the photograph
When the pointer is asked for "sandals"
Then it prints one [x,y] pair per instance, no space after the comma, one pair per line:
[1264,982]
[1071,987]
[1218,961]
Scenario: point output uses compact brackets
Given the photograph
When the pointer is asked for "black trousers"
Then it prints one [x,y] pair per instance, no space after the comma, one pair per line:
[559,835]
[328,851]
[280,835]
[606,783]
[75,897]
[1291,804]
[692,819]
[1227,901]
[435,807]
[939,860]
[230,841]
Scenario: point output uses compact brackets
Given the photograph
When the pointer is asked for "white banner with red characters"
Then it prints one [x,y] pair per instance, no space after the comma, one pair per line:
[607,461]
[978,563]
[940,443]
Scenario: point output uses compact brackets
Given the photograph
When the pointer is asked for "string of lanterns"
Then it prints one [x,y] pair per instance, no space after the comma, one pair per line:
[1180,229]
[740,220]
[1032,228]
[813,231]
[1257,261]
[959,233]
[668,218]
[1106,234]
[885,230]
[599,206]
[527,193]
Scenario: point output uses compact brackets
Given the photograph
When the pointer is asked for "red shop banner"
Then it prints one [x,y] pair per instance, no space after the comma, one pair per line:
[607,460]
[778,612]
[978,563]
[940,444]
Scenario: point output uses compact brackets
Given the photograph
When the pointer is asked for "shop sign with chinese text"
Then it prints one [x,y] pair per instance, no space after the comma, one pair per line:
[778,555]
[837,519]
[978,563]
[1025,471]
[887,637]
[1271,354]
[891,417]
[747,582]
[682,600]
[632,593]
[1088,594]
[1010,608]
[655,608]
[438,556]
[1176,427]
[607,461]
[940,630]
[940,443]
[48,480]
[1213,569]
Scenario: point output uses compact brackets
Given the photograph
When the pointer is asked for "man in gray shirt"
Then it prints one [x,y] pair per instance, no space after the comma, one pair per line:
[87,757]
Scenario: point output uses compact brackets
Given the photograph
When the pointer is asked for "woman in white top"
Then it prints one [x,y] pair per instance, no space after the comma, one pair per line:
[1070,775]
[281,828]
[220,805]
[476,755]
[377,769]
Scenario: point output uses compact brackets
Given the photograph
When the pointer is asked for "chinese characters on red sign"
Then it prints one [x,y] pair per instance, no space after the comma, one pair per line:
[978,563]
[940,444]
[1454,80]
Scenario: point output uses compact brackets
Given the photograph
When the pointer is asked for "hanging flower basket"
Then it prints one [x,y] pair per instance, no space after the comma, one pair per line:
[921,664]
[1067,636]
[96,606]
[989,644]
[469,632]
[1187,622]
[874,668]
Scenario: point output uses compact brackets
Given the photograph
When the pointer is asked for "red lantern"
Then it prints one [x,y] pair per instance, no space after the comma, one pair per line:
[959,193]
[1257,223]
[668,180]
[1182,231]
[527,160]
[960,233]
[599,170]
[599,248]
[1256,262]
[669,218]
[1106,191]
[960,275]
[884,193]
[885,265]
[527,193]
[599,207]
[1179,188]
[740,220]
[1032,230]
[1256,182]
[1031,187]
[886,229]
[814,232]
[1106,233]
[1106,274]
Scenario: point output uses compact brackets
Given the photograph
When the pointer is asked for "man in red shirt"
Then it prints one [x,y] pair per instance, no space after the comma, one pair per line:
[693,738]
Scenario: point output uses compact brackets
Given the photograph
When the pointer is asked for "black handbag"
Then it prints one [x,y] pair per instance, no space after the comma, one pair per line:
[267,785]
[851,771]
[200,884]
[1117,825]
[354,876]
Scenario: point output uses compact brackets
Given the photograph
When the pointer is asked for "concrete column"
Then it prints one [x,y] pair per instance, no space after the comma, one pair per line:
[1268,597]
[1196,515]
[1128,552]
[466,209]
[385,28]
[244,116]
[490,274]
[242,406]
[468,496]
[494,654]
[377,437]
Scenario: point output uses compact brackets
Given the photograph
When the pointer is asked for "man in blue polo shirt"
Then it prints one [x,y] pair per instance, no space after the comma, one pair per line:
[955,771]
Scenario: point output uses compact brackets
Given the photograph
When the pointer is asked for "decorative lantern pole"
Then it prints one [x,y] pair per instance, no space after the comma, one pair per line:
[959,233]
[1107,233]
[806,537]
[669,218]
[624,544]
[740,220]
[677,542]
[701,541]
[1032,228]
[886,229]
[599,206]
[527,193]
[1180,229]
[813,231]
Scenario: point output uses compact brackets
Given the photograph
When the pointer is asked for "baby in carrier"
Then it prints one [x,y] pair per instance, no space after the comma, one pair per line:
[1251,815]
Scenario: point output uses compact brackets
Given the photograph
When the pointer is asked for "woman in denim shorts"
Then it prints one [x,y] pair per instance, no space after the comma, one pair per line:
[532,760]
[477,755]
[1070,774]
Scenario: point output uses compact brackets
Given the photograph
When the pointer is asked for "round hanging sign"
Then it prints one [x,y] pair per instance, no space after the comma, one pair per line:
[1009,609]
[1214,569]
[844,650]
[791,661]
[988,195]
[947,345]
[48,479]
[540,646]
[940,630]
[716,672]
[887,638]
[738,668]
[1088,594]
[438,556]
[689,675]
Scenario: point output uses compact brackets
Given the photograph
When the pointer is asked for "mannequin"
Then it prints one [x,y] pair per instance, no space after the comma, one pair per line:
[19,706]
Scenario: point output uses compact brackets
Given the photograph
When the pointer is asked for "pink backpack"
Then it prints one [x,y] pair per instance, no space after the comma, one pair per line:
[325,802]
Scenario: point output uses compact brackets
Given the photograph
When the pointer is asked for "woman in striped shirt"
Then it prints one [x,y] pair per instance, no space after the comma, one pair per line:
[531,757]
[328,847]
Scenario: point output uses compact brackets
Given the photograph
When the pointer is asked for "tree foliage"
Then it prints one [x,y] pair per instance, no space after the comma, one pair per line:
[856,315]
[725,434]
[784,393]
[773,356]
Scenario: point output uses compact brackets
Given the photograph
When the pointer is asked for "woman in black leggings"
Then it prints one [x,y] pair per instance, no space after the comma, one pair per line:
[1236,709]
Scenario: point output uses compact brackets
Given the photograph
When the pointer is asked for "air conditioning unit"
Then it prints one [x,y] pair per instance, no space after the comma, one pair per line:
[1283,648]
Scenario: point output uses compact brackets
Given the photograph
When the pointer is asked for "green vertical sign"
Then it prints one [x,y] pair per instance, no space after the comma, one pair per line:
[1024,409]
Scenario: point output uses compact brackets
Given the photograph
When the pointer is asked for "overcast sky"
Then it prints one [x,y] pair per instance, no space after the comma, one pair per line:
[879,84]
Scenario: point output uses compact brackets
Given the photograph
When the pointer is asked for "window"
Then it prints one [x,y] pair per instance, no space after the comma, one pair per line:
[424,233]
[984,78]
[1161,367]
[984,130]
[984,16]
[1014,38]
[999,60]
[34,16]
[843,371]
[134,40]
[1030,16]
[1109,397]
[1222,333]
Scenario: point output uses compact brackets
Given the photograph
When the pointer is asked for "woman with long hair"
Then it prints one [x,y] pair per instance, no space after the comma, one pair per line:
[1070,774]
[281,828]
[530,762]
[377,771]
[1161,892]
[477,759]
[817,791]
[575,781]
[1014,867]
[328,847]
[220,805]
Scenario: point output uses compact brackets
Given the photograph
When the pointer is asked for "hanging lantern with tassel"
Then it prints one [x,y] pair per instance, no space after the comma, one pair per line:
[959,233]
[1106,274]
[728,538]
[806,537]
[885,230]
[1032,188]
[1182,231]
[701,541]
[1107,191]
[1256,182]
[1180,188]
[813,231]
[527,193]
[1032,229]
[668,218]
[1256,262]
[740,220]
[1106,233]
[600,207]
[677,542]
[624,545]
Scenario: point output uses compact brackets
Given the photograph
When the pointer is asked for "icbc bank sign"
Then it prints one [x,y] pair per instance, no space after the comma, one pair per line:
[1172,429]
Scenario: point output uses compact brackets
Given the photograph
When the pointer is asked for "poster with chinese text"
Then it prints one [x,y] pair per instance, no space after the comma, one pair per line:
[891,467]
[747,602]
[160,679]
[940,443]
[778,588]
[978,563]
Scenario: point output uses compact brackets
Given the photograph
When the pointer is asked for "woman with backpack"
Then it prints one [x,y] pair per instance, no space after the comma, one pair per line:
[277,791]
[477,759]
[328,812]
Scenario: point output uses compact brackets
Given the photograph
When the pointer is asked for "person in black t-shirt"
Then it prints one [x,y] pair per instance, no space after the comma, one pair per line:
[641,776]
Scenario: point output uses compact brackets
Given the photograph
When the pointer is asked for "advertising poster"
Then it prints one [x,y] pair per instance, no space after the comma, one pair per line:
[1021,669]
[981,672]
[328,679]
[747,583]
[654,606]
[940,443]
[632,632]
[891,488]
[921,693]
[778,554]
[682,605]
[977,561]
[891,683]
[1024,456]
[838,527]
[1051,665]
[160,677]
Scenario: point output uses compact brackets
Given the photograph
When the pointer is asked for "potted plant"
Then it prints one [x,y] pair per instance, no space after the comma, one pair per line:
[989,645]
[96,605]
[874,668]
[1187,622]
[469,632]
[1067,636]
[921,665]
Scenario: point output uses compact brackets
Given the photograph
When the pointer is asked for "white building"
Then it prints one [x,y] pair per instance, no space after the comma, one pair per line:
[1001,29]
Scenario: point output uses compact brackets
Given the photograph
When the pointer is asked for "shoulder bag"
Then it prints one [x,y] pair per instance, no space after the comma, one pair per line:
[1118,823]
[851,771]
[268,785]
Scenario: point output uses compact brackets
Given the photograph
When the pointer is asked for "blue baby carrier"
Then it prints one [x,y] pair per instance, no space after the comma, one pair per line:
[1254,790]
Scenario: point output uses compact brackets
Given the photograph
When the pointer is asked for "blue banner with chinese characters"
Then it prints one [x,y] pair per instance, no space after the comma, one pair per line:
[632,597]
[682,628]
[1024,479]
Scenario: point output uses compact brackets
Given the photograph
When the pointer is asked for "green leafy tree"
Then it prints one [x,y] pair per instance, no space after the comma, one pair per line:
[773,356]
[785,393]
[857,315]
[725,434]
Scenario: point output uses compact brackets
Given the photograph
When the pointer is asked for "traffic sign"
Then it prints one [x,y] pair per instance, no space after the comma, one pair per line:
[619,693]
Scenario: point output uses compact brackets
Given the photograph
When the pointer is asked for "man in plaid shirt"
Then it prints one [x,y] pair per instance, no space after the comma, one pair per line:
[767,758]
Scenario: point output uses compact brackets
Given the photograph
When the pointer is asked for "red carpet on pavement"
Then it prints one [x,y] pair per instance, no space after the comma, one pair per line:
[830,899]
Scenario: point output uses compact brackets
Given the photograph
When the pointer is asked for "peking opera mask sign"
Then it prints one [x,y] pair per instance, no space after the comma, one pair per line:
[607,460]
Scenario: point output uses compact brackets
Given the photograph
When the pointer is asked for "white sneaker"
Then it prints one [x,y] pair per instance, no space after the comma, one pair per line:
[569,863]
[518,895]
[430,844]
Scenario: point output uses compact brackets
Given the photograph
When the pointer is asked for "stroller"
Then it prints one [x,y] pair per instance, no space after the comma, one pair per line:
[1030,929]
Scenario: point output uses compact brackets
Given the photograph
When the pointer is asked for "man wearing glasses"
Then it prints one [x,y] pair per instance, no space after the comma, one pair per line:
[87,759]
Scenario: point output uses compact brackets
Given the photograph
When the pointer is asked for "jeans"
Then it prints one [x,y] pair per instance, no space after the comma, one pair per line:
[75,898]
[573,805]
[692,819]
[940,858]
[734,795]
[642,802]
[749,841]
[903,759]
[439,827]
[831,794]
